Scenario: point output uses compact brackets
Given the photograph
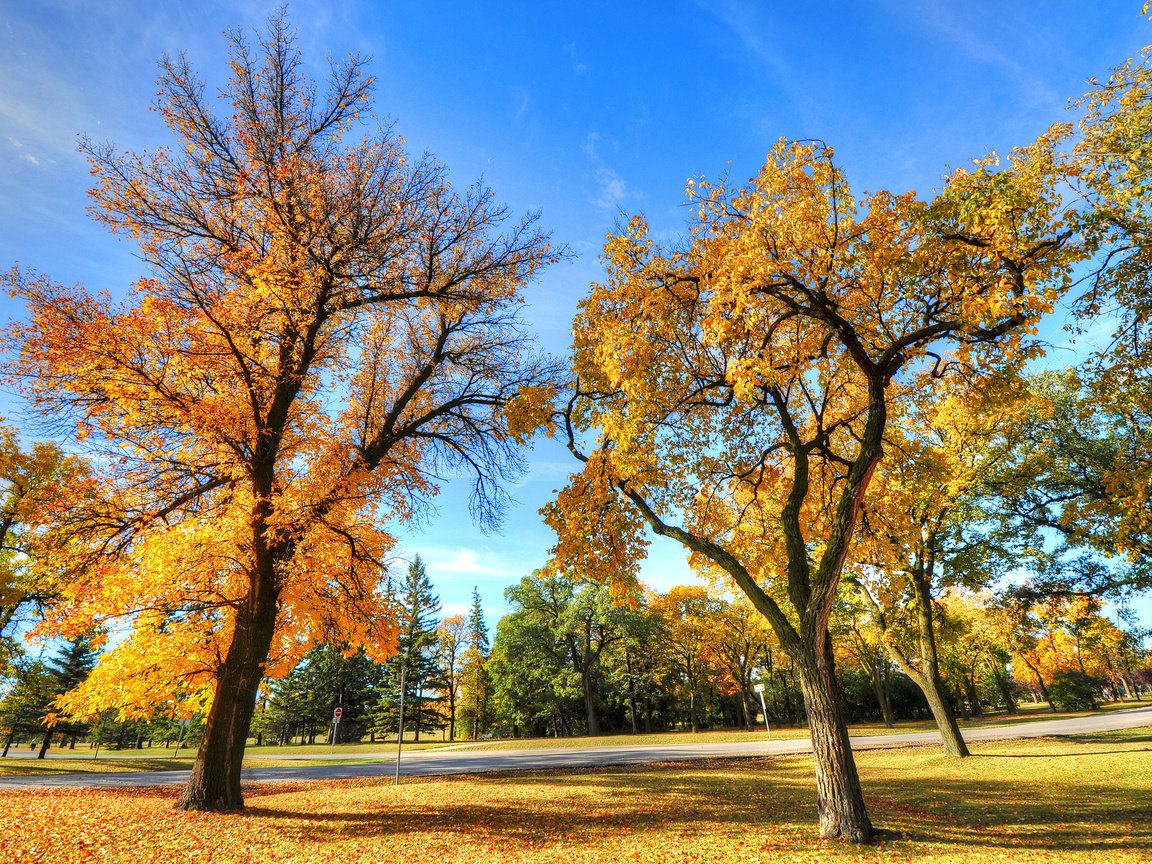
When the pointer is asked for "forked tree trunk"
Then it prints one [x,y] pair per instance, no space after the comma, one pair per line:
[839,798]
[215,780]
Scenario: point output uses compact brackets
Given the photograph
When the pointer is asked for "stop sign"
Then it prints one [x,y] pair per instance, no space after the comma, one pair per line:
[339,712]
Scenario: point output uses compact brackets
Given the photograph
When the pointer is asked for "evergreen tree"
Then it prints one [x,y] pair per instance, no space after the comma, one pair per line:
[303,702]
[30,706]
[70,667]
[475,684]
[415,657]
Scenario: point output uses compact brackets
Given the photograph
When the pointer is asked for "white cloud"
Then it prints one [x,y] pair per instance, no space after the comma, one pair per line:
[612,190]
[28,157]
[451,563]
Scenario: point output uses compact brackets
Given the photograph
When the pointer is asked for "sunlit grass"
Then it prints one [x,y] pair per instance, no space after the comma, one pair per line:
[1050,800]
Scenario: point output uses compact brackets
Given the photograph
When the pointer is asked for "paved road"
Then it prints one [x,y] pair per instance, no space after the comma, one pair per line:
[428,762]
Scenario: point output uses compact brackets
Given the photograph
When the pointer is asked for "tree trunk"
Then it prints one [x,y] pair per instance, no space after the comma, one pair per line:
[882,698]
[1005,688]
[927,678]
[1040,683]
[451,714]
[631,688]
[589,702]
[45,745]
[839,798]
[215,780]
[942,713]
[973,697]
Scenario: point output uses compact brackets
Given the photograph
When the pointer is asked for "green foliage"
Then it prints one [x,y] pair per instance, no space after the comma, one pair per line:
[416,657]
[1073,690]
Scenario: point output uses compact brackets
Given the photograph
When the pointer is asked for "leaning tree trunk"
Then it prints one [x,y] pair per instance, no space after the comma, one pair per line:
[1043,687]
[839,798]
[933,689]
[215,780]
[927,677]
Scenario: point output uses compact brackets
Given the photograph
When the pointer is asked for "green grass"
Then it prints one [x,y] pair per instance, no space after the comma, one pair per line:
[1043,801]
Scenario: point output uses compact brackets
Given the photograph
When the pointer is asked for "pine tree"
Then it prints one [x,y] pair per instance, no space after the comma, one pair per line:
[70,667]
[415,656]
[476,684]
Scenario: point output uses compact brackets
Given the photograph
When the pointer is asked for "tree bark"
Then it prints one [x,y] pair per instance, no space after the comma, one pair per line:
[589,701]
[45,745]
[215,780]
[942,713]
[839,797]
[880,688]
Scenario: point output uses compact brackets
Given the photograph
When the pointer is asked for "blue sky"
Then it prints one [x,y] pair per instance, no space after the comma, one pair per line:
[582,110]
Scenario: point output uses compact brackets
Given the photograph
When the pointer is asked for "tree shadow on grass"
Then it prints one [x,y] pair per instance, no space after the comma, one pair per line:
[1082,753]
[777,795]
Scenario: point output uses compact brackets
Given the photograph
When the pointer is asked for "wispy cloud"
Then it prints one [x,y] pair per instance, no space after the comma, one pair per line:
[579,67]
[611,190]
[591,146]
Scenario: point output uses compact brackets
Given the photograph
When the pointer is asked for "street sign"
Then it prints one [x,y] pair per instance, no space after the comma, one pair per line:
[759,688]
[338,713]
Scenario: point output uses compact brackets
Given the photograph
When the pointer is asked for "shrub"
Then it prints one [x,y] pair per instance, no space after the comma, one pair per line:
[1075,691]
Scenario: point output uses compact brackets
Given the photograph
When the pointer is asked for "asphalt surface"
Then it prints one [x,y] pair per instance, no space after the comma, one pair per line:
[435,762]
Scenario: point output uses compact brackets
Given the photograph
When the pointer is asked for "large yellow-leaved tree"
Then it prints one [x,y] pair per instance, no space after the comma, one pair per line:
[328,328]
[733,392]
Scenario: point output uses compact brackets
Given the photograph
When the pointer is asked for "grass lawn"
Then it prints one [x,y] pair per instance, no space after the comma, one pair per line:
[1082,799]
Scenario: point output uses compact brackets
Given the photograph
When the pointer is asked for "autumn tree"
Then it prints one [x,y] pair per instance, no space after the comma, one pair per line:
[327,330]
[927,527]
[733,392]
[451,639]
[1113,155]
[32,481]
[858,637]
[738,637]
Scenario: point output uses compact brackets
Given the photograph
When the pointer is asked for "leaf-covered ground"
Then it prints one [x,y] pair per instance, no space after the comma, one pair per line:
[1056,800]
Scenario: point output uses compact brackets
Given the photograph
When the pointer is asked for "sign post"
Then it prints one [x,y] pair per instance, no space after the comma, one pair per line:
[180,740]
[400,729]
[336,715]
[759,688]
